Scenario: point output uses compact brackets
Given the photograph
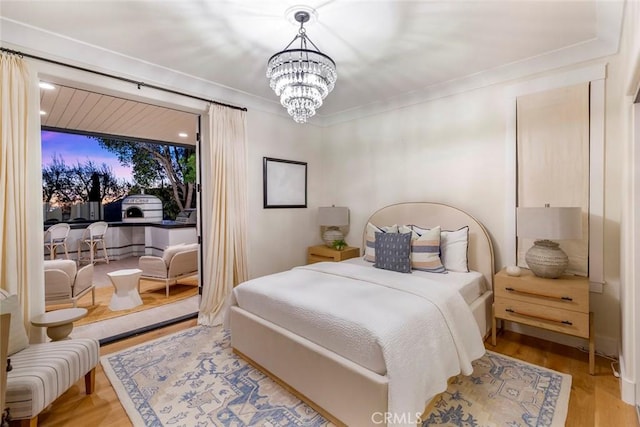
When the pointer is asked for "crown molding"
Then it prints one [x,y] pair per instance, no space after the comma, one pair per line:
[31,39]
[609,17]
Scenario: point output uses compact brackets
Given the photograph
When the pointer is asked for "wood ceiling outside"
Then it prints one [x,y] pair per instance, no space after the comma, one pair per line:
[83,111]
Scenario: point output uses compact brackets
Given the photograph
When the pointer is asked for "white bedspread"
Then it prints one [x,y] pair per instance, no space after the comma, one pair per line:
[425,331]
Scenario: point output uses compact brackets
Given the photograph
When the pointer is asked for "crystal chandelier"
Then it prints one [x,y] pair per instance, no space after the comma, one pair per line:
[301,77]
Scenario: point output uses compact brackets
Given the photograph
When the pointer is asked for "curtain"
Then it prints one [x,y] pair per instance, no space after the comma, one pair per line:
[21,224]
[553,161]
[224,207]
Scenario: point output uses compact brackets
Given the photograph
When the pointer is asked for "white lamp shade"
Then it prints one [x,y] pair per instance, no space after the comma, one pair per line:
[334,216]
[550,223]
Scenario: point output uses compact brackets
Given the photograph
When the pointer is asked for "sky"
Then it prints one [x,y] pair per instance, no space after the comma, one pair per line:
[79,148]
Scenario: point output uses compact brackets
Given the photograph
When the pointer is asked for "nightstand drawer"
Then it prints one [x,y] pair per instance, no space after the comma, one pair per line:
[566,294]
[565,321]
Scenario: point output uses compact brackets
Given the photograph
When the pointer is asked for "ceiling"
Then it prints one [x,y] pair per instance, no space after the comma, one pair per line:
[64,107]
[384,49]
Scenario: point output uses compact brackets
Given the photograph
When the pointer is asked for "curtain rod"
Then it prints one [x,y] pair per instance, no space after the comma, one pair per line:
[124,79]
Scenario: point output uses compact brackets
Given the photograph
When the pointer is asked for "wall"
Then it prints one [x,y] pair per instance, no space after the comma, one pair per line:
[630,190]
[278,238]
[452,150]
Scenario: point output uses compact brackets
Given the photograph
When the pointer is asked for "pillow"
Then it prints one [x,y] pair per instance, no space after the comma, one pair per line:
[425,251]
[66,265]
[393,252]
[18,339]
[170,251]
[370,245]
[453,248]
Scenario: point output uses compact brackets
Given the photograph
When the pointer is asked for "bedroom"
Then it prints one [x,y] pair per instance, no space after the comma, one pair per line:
[451,126]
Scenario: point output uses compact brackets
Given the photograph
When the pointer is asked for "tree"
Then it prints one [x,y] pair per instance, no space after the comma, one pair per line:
[152,163]
[66,185]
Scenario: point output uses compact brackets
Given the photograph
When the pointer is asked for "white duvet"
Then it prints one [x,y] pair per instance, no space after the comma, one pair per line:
[423,330]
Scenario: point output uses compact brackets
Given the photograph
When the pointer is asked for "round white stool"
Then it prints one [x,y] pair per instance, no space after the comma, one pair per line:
[126,294]
[59,323]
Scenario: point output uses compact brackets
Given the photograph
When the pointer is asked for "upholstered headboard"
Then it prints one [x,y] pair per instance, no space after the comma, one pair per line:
[425,214]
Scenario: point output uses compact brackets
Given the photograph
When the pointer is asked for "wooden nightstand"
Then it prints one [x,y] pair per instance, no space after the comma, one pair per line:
[560,305]
[325,253]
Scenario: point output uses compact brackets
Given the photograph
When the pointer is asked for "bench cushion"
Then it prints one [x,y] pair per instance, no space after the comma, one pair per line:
[43,372]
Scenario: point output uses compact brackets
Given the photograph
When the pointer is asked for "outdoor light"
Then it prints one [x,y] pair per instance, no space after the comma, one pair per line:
[301,77]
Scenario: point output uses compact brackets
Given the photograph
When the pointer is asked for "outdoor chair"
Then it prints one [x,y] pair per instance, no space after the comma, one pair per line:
[92,236]
[64,283]
[176,262]
[55,236]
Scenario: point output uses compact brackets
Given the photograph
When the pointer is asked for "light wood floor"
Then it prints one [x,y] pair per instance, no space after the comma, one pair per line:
[595,400]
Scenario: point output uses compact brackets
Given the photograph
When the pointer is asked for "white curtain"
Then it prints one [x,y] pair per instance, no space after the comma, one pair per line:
[21,225]
[553,161]
[224,207]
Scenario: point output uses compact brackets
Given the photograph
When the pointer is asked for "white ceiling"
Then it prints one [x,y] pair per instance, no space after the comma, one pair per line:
[70,108]
[384,49]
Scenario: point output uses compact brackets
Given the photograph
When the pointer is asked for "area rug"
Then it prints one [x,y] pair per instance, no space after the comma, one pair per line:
[153,295]
[192,378]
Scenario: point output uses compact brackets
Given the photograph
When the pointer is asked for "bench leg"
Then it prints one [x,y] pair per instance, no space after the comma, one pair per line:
[90,381]
[31,422]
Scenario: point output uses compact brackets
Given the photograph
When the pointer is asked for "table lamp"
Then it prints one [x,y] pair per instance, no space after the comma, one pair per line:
[545,258]
[330,220]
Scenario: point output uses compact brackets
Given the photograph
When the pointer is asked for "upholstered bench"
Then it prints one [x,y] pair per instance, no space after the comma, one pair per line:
[43,372]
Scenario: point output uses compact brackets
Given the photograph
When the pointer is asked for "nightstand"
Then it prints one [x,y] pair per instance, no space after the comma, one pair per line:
[322,253]
[560,305]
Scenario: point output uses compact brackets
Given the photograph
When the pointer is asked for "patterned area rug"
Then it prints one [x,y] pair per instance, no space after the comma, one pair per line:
[192,378]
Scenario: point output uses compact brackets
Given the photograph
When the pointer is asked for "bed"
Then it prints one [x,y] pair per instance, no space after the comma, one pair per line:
[336,368]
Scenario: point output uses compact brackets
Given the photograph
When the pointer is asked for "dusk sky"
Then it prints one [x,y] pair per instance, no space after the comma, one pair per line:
[79,148]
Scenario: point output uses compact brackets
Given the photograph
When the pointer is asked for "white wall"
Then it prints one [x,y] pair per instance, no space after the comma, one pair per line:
[278,238]
[452,150]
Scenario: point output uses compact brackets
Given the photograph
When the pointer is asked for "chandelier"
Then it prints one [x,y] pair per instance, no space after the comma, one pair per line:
[301,77]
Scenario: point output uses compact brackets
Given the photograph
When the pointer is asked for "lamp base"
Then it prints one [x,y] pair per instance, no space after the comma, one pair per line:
[546,259]
[331,234]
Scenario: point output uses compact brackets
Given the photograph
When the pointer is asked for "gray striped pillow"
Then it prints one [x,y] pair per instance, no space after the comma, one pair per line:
[425,251]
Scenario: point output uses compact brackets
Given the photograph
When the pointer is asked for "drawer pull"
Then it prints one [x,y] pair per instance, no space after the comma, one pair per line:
[533,316]
[538,295]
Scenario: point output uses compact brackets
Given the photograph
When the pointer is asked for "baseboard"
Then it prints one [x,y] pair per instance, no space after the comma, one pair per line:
[606,346]
[627,385]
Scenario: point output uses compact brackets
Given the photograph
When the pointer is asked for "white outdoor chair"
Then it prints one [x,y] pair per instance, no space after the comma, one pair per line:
[92,236]
[55,236]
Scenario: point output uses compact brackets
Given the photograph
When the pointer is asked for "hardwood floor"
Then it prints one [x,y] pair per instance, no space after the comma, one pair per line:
[595,400]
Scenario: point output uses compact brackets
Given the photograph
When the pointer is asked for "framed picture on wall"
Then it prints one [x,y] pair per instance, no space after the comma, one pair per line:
[284,183]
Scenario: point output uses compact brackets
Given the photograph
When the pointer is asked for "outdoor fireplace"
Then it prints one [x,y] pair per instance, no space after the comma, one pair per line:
[141,208]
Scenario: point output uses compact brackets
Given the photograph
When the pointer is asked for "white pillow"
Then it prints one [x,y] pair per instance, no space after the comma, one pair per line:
[453,248]
[18,339]
[170,251]
[370,243]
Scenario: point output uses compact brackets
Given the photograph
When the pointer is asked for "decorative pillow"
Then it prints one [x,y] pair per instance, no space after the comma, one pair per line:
[453,248]
[66,265]
[170,251]
[18,339]
[393,251]
[370,247]
[425,251]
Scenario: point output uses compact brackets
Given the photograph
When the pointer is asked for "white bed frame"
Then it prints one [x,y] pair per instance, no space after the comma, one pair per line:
[341,390]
